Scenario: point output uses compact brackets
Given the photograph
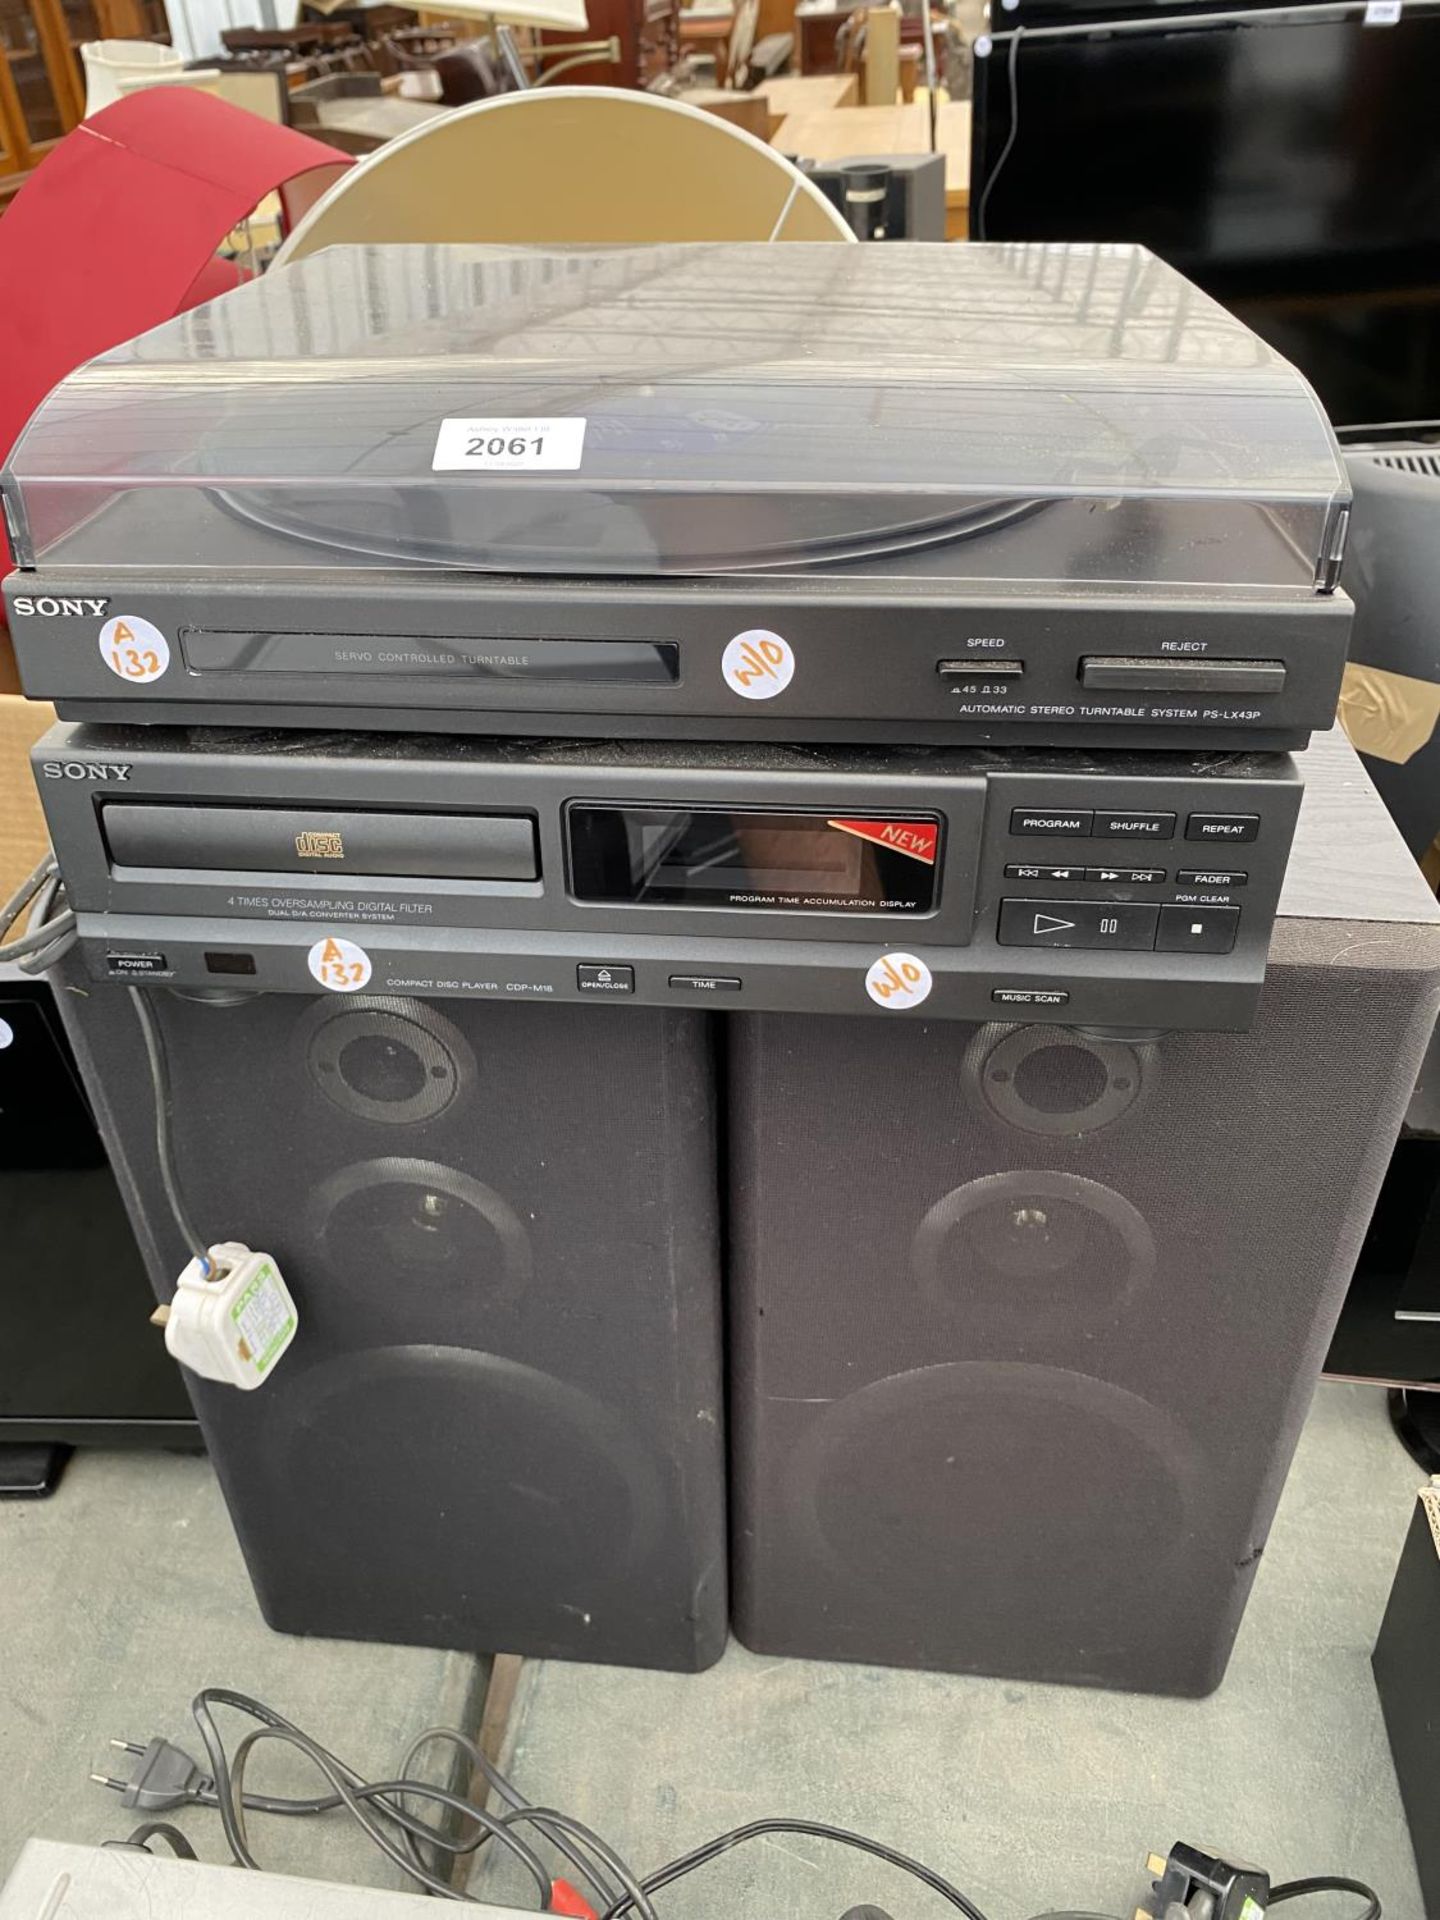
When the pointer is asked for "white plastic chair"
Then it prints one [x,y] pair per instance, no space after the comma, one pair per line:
[108,63]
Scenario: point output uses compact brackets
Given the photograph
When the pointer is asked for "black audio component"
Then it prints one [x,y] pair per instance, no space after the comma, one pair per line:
[78,1364]
[499,1425]
[1121,889]
[914,494]
[1025,1320]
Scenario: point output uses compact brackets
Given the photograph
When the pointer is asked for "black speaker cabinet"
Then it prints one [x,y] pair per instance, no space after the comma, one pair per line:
[1025,1321]
[500,1425]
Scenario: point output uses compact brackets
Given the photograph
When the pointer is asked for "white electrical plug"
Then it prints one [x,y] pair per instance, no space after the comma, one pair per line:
[234,1323]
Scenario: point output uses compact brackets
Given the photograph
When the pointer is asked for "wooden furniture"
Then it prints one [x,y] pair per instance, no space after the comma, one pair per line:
[42,88]
[708,33]
[810,93]
[880,57]
[818,23]
[649,36]
[747,110]
[853,132]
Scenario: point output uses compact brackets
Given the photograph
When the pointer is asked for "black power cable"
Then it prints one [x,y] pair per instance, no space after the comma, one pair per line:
[164,1123]
[815,1829]
[167,1777]
[1328,1883]
[1013,81]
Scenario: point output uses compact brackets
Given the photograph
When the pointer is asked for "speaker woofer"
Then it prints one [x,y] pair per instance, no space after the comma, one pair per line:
[397,1062]
[1053,1080]
[1042,1226]
[958,1493]
[416,1222]
[587,1476]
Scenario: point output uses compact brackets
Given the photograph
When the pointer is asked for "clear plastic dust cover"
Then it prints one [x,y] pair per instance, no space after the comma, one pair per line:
[1029,414]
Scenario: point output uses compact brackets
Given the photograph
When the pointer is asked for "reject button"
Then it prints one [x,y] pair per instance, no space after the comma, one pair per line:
[1197,929]
[1169,673]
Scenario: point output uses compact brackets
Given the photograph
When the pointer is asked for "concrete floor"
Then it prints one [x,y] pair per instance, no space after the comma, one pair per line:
[124,1594]
[1030,1797]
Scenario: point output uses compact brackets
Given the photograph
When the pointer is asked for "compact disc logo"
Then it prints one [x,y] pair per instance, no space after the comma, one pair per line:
[899,980]
[758,664]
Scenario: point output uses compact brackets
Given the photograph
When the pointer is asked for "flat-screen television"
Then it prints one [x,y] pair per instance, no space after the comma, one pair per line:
[1288,165]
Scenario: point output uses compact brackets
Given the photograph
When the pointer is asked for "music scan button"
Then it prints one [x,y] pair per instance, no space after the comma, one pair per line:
[1052,820]
[1222,826]
[1022,871]
[1077,923]
[1125,876]
[1197,929]
[1030,996]
[1111,824]
[598,979]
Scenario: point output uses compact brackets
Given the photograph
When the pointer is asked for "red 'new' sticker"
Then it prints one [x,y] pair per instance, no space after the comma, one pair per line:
[917,838]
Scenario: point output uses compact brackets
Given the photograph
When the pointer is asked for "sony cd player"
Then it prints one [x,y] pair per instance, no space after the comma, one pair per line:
[989,494]
[1133,890]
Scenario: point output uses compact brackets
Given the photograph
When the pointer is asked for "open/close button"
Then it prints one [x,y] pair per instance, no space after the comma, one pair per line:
[601,978]
[1077,923]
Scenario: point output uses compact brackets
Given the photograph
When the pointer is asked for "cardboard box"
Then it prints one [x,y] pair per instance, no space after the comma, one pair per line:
[1407,1674]
[23,833]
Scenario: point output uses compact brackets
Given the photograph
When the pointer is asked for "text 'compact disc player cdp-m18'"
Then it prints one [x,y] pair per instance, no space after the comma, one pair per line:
[1126,890]
[944,495]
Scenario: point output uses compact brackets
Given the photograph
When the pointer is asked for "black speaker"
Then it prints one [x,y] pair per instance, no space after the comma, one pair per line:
[500,1424]
[1025,1321]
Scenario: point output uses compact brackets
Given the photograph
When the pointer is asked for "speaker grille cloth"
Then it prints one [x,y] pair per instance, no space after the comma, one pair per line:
[1024,1324]
[500,1424]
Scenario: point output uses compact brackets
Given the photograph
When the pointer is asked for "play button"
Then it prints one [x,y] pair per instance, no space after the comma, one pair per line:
[1080,923]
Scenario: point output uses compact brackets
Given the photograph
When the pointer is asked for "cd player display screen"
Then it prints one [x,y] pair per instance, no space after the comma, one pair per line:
[715,857]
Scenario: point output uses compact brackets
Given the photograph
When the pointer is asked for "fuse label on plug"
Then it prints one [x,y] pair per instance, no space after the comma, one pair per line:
[264,1320]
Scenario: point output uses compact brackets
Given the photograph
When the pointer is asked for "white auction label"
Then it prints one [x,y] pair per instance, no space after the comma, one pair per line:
[508,446]
[339,964]
[134,649]
[899,980]
[758,664]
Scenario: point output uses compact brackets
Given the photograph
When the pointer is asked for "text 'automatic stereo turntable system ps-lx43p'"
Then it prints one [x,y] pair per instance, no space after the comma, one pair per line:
[1016,496]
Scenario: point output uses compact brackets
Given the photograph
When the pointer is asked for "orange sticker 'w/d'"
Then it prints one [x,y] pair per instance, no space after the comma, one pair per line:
[918,838]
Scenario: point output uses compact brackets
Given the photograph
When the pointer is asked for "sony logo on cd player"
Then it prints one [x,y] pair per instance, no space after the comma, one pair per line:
[49,605]
[85,770]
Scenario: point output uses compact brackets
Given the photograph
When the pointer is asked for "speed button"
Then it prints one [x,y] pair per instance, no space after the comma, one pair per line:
[1078,923]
